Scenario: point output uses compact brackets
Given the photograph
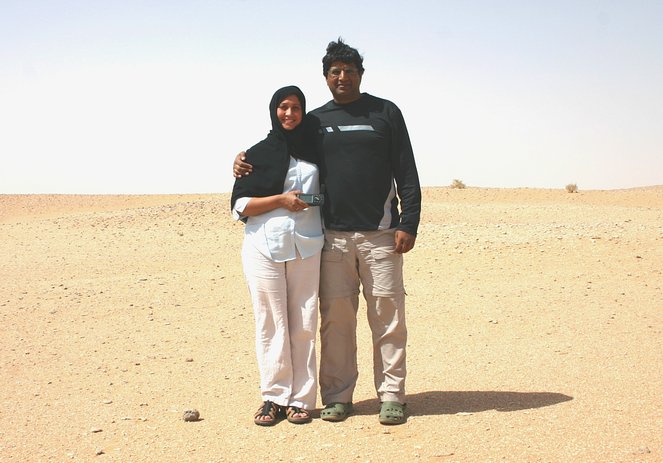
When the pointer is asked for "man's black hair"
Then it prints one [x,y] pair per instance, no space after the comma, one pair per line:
[340,51]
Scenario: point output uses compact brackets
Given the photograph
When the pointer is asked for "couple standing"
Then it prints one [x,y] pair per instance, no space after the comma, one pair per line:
[358,148]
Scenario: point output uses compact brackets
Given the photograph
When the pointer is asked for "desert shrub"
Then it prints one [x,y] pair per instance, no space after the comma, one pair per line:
[571,188]
[457,184]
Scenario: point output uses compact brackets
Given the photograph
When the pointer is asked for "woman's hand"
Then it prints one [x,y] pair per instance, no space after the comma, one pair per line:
[291,202]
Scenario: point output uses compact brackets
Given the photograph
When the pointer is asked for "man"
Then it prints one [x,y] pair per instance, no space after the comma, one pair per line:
[368,171]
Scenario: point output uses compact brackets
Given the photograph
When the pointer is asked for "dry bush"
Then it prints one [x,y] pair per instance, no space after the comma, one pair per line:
[571,188]
[457,184]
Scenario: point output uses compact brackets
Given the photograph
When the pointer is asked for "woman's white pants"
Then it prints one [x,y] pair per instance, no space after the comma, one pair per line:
[285,305]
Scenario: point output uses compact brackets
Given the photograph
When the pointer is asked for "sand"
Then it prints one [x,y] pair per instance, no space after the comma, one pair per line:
[535,324]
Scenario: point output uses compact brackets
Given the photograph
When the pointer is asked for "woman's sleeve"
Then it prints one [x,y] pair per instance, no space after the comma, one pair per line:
[238,210]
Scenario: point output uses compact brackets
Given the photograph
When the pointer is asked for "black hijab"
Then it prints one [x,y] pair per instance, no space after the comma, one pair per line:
[270,158]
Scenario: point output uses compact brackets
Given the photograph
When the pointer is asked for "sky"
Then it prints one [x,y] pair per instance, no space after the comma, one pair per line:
[151,97]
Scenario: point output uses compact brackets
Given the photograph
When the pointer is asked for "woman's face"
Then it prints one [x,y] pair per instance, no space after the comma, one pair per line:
[289,112]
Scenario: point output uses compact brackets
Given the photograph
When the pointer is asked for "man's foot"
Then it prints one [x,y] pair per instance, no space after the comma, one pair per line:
[392,413]
[268,414]
[336,411]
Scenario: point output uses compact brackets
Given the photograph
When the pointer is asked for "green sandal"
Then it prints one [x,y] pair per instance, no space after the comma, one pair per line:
[392,413]
[336,411]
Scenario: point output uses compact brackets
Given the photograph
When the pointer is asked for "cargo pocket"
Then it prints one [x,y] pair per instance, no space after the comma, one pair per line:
[335,280]
[332,250]
[379,254]
[386,271]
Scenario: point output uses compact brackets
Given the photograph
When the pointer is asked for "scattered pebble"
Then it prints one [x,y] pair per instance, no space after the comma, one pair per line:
[191,415]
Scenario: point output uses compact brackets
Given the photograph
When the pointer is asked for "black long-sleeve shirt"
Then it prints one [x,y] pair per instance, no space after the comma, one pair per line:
[367,166]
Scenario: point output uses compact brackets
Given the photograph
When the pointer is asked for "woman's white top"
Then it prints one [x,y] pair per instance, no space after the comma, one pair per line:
[280,234]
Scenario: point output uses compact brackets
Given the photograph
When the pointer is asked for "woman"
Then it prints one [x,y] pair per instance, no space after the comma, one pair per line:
[281,257]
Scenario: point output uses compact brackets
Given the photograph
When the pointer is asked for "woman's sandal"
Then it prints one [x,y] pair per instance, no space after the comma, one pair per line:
[392,413]
[336,411]
[291,411]
[269,410]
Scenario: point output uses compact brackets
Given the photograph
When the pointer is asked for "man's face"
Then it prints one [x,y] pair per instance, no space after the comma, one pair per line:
[343,79]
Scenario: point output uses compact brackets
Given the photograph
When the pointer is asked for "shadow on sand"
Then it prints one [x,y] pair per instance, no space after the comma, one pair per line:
[452,402]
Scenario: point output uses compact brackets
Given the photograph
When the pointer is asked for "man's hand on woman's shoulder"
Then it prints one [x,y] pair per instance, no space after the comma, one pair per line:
[241,168]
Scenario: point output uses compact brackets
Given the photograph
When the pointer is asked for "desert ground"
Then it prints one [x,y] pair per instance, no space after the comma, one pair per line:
[535,323]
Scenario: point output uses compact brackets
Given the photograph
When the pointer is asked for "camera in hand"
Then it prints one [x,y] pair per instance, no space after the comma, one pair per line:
[312,199]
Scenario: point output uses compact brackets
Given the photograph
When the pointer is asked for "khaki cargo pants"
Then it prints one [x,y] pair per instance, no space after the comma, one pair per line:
[351,259]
